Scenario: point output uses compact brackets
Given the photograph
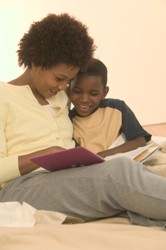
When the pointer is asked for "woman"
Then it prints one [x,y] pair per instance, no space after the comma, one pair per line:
[34,120]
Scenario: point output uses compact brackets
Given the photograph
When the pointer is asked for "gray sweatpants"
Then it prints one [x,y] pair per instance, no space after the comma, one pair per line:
[93,192]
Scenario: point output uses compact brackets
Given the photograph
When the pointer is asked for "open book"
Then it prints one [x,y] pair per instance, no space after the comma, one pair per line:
[147,153]
[68,158]
[81,156]
[140,154]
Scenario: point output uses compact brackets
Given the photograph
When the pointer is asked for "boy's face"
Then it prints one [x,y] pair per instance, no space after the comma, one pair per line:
[86,93]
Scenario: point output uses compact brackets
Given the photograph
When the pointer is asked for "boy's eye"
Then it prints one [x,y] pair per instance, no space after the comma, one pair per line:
[94,93]
[77,91]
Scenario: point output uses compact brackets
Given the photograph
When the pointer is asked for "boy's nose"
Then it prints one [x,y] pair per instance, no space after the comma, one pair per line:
[84,98]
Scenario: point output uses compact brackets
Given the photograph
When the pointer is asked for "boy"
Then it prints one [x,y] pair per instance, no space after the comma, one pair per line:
[98,121]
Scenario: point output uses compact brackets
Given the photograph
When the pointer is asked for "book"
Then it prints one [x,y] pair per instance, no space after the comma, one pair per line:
[146,153]
[139,154]
[79,156]
[68,158]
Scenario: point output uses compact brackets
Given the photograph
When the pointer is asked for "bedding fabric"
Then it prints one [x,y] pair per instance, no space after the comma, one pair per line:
[113,233]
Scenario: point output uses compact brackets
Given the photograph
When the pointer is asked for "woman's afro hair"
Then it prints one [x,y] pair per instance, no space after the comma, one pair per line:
[56,39]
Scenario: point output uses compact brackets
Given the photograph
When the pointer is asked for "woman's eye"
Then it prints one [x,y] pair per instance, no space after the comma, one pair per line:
[58,79]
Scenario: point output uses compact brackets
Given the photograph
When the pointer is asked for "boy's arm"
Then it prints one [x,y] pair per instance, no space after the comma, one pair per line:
[125,147]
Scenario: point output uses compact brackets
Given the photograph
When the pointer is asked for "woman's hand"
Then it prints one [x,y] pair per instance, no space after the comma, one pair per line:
[26,165]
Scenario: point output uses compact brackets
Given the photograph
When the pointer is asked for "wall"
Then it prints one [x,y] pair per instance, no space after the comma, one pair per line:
[130,37]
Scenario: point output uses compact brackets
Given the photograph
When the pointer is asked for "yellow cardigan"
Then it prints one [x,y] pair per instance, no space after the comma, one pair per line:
[26,126]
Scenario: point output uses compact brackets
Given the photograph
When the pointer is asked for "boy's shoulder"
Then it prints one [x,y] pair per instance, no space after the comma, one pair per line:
[112,103]
[72,113]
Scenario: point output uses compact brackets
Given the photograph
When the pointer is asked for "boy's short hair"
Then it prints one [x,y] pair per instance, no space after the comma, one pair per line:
[96,68]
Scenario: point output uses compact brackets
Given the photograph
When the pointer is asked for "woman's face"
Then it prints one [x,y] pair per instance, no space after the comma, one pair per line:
[47,82]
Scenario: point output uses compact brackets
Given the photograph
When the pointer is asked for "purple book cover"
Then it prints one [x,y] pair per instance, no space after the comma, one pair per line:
[67,159]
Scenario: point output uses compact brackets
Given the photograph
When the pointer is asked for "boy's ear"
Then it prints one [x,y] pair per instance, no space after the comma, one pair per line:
[106,90]
[67,90]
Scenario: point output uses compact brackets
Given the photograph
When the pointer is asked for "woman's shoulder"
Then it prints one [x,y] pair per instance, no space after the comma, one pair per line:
[2,84]
[7,90]
[3,87]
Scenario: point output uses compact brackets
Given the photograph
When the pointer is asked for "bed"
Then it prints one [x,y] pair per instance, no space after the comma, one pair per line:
[111,234]
[67,233]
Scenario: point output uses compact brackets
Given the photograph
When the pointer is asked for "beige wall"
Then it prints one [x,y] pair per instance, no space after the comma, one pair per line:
[130,36]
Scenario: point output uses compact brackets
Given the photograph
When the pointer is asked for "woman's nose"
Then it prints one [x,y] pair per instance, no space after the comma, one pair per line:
[62,86]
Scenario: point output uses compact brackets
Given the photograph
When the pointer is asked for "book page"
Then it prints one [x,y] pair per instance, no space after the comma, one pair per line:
[146,154]
[142,152]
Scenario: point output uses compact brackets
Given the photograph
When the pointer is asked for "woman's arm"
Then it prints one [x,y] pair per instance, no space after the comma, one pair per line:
[125,147]
[26,165]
